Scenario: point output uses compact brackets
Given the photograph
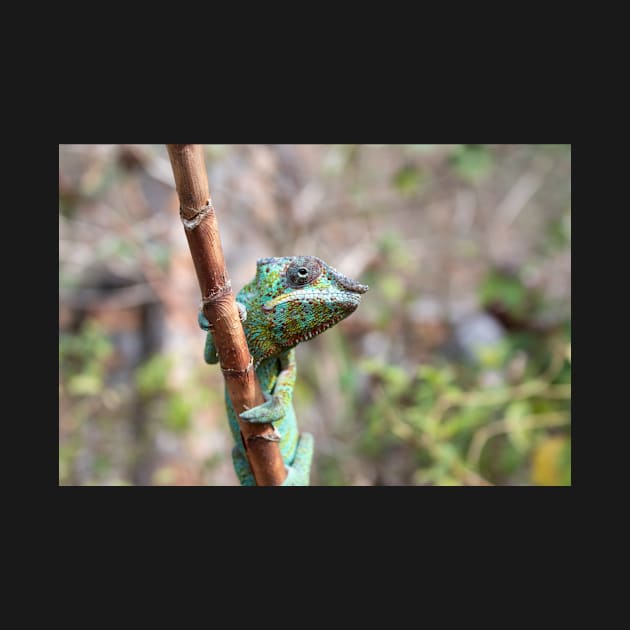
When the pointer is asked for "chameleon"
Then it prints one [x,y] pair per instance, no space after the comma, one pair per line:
[290,300]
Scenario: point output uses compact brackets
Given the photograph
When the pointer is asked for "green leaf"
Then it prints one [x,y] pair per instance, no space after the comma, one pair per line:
[396,379]
[551,462]
[152,376]
[446,453]
[471,161]
[492,356]
[393,288]
[518,434]
[436,377]
[178,412]
[506,290]
[408,180]
[164,476]
[85,384]
[448,481]
[466,419]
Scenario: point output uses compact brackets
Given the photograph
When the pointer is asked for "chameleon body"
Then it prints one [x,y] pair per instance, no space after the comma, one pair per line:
[291,299]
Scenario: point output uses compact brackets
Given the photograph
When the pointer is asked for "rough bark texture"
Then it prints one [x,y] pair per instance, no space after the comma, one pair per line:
[202,232]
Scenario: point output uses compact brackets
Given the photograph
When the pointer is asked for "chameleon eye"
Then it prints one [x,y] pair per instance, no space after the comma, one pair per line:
[303,271]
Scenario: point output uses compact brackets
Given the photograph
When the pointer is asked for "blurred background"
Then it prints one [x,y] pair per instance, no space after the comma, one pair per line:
[454,370]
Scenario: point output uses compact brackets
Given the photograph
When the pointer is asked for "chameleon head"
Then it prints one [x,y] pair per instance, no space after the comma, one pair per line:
[302,296]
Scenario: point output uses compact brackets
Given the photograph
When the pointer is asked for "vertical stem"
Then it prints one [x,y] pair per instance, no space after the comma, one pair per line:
[219,306]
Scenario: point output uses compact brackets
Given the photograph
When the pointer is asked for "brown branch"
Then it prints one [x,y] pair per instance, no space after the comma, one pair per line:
[202,232]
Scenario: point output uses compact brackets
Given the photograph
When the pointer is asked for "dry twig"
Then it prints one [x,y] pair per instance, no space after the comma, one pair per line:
[219,306]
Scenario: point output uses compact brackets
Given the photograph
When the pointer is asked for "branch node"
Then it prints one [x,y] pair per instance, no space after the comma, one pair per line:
[269,437]
[232,373]
[198,216]
[216,294]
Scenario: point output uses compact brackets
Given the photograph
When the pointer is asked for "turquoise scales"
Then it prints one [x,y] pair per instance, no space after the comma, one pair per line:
[291,299]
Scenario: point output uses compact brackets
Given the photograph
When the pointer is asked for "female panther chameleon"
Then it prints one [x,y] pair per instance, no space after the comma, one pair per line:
[291,299]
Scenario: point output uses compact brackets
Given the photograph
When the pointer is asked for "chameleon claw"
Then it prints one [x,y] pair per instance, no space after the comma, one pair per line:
[204,324]
[270,437]
[269,411]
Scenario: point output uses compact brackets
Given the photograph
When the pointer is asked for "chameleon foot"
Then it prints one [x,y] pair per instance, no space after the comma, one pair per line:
[271,410]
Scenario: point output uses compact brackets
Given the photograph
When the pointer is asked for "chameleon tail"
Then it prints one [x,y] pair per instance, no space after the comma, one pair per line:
[300,469]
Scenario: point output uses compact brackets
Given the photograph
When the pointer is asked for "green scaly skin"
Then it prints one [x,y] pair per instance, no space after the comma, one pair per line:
[291,299]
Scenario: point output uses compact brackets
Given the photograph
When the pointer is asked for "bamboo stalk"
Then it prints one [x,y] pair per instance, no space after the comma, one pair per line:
[219,307]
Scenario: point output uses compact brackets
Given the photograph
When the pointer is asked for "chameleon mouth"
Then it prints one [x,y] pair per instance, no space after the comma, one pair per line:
[344,299]
[329,307]
[320,329]
[294,341]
